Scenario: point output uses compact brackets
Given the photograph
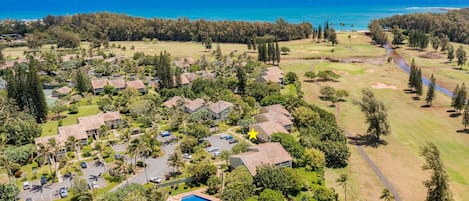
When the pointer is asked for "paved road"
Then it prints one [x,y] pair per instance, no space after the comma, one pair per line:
[370,163]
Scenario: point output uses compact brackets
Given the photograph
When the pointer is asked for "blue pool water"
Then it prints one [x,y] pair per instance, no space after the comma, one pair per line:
[193,198]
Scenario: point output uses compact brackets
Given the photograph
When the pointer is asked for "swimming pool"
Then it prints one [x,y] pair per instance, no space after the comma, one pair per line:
[194,198]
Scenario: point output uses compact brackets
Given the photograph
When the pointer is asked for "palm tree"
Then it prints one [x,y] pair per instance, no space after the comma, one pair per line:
[386,195]
[100,147]
[145,151]
[7,164]
[123,168]
[73,144]
[175,160]
[126,136]
[342,180]
[104,131]
[133,150]
[54,152]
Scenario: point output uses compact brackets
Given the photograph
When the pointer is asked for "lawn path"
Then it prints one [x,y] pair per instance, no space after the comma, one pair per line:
[369,162]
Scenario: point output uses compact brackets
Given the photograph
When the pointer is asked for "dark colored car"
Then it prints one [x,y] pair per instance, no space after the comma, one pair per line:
[83,165]
[43,180]
[232,141]
[29,199]
[165,134]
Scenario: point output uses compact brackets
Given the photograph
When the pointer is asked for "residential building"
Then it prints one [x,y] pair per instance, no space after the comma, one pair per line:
[98,85]
[91,124]
[118,84]
[262,154]
[266,129]
[220,109]
[272,74]
[192,106]
[137,84]
[173,102]
[111,119]
[62,91]
[61,139]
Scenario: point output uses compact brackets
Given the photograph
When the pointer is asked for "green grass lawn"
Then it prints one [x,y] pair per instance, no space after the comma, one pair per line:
[50,127]
[412,127]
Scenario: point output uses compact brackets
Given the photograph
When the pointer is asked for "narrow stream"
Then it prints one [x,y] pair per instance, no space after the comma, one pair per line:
[404,66]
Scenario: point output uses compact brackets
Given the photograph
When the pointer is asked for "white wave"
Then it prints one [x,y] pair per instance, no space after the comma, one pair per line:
[431,8]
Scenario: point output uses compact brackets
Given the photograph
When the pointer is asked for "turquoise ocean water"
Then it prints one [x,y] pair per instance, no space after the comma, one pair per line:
[356,12]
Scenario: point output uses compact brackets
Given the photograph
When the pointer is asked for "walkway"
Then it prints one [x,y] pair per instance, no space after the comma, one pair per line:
[369,162]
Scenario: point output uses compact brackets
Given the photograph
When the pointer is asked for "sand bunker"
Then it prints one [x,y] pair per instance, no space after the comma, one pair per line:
[370,70]
[340,72]
[314,52]
[383,86]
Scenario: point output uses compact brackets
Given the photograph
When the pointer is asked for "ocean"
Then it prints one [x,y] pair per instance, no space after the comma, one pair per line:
[355,14]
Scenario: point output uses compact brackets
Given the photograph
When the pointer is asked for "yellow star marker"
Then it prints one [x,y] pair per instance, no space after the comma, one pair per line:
[252,134]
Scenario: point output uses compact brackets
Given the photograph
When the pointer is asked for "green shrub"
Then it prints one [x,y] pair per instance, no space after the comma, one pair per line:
[73,109]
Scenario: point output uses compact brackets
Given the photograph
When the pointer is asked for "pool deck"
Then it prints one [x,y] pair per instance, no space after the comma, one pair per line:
[197,192]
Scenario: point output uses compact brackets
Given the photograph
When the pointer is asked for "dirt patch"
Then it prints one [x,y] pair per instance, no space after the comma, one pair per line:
[373,61]
[380,85]
[340,72]
[314,52]
[431,55]
[370,70]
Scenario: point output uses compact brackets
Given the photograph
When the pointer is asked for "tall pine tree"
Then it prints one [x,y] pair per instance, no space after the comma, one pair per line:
[82,81]
[461,98]
[277,52]
[418,83]
[455,96]
[431,91]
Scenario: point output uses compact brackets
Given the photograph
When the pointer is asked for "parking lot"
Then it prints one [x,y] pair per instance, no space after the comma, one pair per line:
[221,144]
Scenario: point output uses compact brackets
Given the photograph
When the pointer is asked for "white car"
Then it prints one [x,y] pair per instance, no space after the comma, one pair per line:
[26,185]
[187,156]
[93,185]
[155,180]
[212,149]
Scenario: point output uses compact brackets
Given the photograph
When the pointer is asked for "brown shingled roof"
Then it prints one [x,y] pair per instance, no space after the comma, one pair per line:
[172,101]
[272,74]
[220,106]
[193,105]
[276,108]
[109,116]
[117,83]
[76,130]
[99,83]
[271,153]
[266,129]
[93,122]
[275,117]
[136,84]
[63,90]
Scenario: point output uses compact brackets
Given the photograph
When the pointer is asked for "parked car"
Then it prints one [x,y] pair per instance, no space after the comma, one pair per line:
[216,153]
[165,134]
[83,165]
[117,156]
[63,192]
[228,137]
[187,156]
[232,141]
[212,149]
[43,180]
[29,199]
[223,136]
[26,185]
[155,180]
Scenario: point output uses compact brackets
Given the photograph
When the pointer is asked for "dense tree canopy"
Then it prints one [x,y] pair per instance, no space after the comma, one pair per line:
[454,24]
[117,27]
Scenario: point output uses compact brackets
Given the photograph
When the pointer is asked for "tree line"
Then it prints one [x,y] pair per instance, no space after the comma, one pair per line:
[453,24]
[25,88]
[268,50]
[119,27]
